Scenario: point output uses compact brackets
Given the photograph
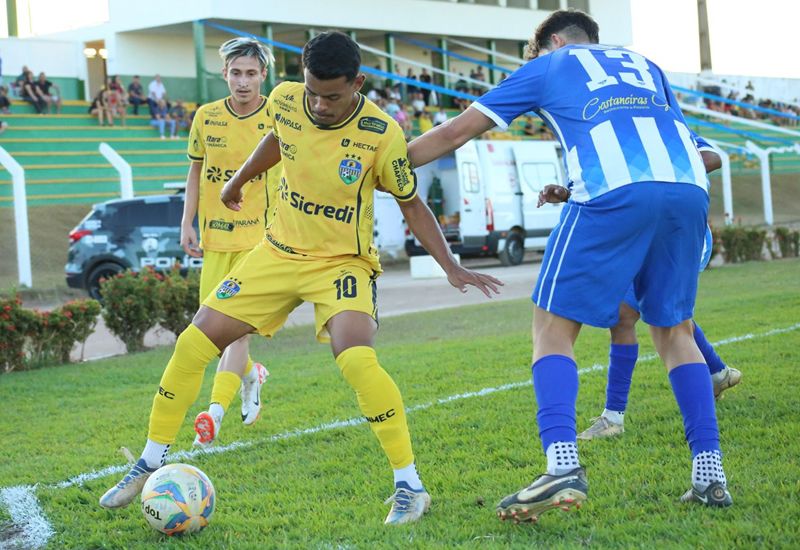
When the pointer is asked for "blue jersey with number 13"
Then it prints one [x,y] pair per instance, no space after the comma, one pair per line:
[613,111]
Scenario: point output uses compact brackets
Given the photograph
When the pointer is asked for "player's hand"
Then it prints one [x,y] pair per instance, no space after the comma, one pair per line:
[460,277]
[231,196]
[553,194]
[189,242]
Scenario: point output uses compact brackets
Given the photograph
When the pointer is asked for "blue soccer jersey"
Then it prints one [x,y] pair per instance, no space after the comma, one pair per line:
[614,113]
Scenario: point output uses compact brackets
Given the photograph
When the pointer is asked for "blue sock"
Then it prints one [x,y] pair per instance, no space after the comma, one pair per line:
[691,385]
[621,361]
[555,381]
[715,364]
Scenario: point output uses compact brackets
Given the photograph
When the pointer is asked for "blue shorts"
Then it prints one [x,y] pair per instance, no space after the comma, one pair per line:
[708,243]
[647,234]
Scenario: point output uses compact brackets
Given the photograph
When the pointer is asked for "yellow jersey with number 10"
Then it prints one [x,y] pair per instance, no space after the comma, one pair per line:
[324,207]
[222,140]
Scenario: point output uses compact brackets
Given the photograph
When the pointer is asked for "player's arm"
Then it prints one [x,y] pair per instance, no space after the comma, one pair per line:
[448,136]
[711,161]
[266,155]
[421,222]
[189,241]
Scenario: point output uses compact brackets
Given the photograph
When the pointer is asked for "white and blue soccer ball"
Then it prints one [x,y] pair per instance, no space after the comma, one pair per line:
[178,499]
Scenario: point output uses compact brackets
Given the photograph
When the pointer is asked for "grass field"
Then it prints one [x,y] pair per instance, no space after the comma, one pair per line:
[50,225]
[297,480]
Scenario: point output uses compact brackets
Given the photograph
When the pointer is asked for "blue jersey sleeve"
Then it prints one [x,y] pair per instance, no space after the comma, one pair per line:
[701,143]
[672,101]
[518,94]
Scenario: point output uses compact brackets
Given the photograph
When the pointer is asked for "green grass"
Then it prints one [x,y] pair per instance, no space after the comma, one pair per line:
[324,490]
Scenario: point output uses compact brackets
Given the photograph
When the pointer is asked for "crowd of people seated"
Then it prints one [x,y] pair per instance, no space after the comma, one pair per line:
[750,98]
[113,99]
[407,103]
[38,91]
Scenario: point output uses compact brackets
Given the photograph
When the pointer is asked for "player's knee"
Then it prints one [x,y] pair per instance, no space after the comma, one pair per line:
[357,363]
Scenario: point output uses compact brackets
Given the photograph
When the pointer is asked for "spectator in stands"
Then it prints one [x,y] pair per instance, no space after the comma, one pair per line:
[161,118]
[28,93]
[403,120]
[417,103]
[180,116]
[116,86]
[99,107]
[478,74]
[3,126]
[5,104]
[424,121]
[411,88]
[156,92]
[136,95]
[377,83]
[1,71]
[394,93]
[440,117]
[392,106]
[16,86]
[425,77]
[44,89]
[115,100]
[461,84]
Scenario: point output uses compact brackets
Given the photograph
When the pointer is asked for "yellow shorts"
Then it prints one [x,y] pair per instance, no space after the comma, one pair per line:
[215,266]
[268,284]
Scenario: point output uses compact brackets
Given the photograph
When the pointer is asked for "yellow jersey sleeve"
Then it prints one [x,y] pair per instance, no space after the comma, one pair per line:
[392,168]
[196,148]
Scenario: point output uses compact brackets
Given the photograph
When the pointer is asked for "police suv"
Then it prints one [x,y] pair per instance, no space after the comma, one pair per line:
[125,234]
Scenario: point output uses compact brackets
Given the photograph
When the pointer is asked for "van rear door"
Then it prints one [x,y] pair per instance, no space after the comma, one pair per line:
[472,204]
[538,165]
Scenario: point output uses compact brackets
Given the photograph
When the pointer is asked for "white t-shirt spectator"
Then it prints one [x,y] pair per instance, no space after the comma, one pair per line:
[418,105]
[156,90]
[439,118]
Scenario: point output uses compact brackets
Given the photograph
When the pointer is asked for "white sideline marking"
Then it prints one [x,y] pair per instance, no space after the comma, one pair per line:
[30,529]
[27,517]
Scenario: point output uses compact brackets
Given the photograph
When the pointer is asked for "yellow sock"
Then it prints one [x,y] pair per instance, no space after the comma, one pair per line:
[180,384]
[380,402]
[248,367]
[226,384]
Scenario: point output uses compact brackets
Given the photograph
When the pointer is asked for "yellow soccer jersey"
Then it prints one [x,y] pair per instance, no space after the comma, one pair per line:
[325,196]
[223,140]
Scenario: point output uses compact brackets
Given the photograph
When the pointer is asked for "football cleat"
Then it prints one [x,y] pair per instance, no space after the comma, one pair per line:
[601,427]
[124,492]
[407,504]
[730,379]
[545,493]
[207,428]
[716,494]
[251,393]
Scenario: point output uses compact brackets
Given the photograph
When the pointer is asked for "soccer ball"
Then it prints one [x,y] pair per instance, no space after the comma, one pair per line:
[178,499]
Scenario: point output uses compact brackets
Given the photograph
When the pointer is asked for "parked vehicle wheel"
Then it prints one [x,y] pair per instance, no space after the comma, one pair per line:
[514,250]
[102,271]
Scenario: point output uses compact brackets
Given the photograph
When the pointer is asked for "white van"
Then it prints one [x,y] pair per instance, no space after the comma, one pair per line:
[485,197]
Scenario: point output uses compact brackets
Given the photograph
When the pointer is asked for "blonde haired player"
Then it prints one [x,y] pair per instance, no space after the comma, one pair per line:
[336,148]
[223,135]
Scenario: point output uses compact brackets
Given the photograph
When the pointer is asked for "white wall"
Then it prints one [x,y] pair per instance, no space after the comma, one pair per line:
[54,57]
[412,16]
[144,53]
[614,19]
